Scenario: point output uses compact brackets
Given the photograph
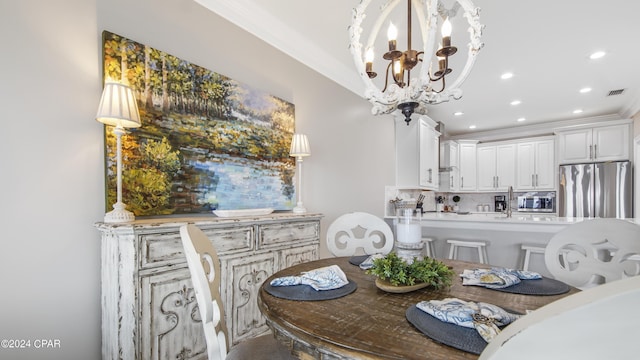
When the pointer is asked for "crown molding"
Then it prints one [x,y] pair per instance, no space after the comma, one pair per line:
[251,17]
[631,110]
[541,129]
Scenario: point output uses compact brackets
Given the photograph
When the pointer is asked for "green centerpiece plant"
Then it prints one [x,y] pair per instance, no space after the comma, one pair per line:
[398,272]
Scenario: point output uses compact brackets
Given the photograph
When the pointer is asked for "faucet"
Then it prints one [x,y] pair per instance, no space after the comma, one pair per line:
[508,204]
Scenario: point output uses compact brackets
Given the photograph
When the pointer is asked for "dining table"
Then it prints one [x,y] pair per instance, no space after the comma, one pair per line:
[370,323]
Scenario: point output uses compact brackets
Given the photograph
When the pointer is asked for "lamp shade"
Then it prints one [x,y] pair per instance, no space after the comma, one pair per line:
[300,145]
[118,106]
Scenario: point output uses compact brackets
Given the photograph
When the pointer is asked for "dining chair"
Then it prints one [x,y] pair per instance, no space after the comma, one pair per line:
[359,230]
[598,323]
[204,267]
[593,252]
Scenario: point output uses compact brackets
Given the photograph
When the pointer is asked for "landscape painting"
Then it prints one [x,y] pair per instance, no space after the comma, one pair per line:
[206,142]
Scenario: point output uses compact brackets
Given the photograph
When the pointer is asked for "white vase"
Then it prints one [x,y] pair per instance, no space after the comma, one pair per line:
[408,228]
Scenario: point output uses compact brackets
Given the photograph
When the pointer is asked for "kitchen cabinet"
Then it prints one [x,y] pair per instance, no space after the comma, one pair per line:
[594,144]
[468,164]
[429,159]
[496,166]
[535,165]
[449,166]
[417,158]
[149,310]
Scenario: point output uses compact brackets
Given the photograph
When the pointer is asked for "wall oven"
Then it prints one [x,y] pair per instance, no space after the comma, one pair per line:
[537,203]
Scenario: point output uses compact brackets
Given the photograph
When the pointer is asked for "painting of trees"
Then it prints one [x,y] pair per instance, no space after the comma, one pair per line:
[205,140]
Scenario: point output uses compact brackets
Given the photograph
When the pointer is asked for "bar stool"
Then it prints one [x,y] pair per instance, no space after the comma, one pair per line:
[481,246]
[528,250]
[430,250]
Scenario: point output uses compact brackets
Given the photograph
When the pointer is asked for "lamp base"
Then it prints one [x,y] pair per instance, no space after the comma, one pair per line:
[299,209]
[119,214]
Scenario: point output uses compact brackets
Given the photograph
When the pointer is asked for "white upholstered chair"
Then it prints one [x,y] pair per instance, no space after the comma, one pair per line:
[594,252]
[598,323]
[204,267]
[359,230]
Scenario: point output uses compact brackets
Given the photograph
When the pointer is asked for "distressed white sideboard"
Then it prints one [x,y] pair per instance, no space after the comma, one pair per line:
[149,309]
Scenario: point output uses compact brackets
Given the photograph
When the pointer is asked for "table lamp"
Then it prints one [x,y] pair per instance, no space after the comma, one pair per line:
[299,149]
[118,108]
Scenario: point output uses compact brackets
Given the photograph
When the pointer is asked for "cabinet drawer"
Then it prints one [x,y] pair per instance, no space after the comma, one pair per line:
[282,233]
[165,248]
[298,255]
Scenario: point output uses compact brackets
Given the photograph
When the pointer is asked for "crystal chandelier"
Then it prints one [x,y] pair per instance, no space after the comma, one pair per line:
[433,86]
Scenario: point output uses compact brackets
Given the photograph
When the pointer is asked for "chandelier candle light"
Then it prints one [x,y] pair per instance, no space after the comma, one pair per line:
[299,149]
[118,108]
[405,93]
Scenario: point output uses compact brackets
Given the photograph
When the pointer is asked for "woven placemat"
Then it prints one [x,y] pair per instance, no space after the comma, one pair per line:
[544,286]
[358,259]
[462,338]
[307,293]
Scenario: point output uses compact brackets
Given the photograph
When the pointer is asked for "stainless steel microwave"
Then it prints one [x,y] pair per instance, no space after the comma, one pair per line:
[529,203]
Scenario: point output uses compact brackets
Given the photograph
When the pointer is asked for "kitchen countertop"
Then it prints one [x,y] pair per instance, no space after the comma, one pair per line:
[500,222]
[500,217]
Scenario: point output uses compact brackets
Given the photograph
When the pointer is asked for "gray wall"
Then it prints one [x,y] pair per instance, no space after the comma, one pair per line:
[52,147]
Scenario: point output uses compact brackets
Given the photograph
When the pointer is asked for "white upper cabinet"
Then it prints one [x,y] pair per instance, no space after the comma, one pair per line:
[486,167]
[535,165]
[594,144]
[611,143]
[417,146]
[449,159]
[429,159]
[496,166]
[467,163]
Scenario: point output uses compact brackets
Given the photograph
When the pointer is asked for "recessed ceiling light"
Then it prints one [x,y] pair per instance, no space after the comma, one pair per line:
[516,102]
[458,113]
[585,90]
[577,111]
[472,126]
[597,55]
[506,75]
[521,119]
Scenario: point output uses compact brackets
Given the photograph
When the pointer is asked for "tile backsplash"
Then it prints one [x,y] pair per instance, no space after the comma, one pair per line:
[468,201]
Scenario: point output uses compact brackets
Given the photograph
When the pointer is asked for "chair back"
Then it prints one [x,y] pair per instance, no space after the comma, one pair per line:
[355,230]
[204,267]
[594,252]
[599,323]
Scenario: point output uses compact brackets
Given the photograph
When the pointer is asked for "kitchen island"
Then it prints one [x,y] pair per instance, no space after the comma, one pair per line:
[504,236]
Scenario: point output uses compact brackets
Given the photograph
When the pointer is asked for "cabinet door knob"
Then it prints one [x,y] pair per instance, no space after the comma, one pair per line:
[595,151]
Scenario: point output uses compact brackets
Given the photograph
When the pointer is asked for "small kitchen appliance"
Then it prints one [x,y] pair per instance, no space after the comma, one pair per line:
[533,202]
[500,203]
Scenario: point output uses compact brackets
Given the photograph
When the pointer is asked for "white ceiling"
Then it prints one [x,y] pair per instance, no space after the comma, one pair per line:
[545,43]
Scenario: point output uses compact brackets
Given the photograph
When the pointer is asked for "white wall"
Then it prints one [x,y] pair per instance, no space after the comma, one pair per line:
[52,148]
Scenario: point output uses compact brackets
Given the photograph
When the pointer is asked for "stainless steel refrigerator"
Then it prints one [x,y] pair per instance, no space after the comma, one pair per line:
[596,190]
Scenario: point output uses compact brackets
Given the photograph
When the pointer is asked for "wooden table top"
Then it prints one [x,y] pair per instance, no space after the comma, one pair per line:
[370,323]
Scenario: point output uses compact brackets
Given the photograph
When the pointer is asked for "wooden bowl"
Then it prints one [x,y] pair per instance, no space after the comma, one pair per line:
[388,287]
